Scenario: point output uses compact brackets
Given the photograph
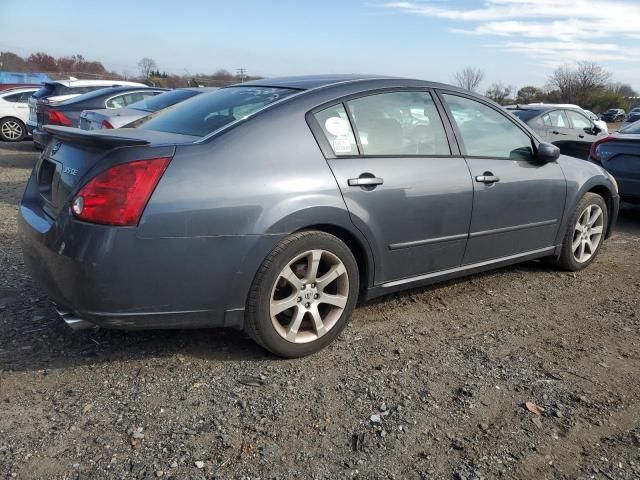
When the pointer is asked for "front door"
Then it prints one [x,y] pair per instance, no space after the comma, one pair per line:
[518,203]
[404,186]
[584,130]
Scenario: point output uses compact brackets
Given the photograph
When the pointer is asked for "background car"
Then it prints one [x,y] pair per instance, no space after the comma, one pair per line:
[619,154]
[59,90]
[119,117]
[568,128]
[596,120]
[613,115]
[274,205]
[67,112]
[14,113]
[632,117]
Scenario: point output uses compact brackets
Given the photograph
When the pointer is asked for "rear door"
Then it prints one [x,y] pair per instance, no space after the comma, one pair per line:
[406,188]
[559,131]
[518,203]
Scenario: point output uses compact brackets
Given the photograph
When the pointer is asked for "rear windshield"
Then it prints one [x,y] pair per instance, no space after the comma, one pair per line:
[164,100]
[209,112]
[524,115]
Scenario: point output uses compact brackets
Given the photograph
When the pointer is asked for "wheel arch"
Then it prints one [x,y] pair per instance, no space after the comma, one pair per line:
[608,197]
[358,246]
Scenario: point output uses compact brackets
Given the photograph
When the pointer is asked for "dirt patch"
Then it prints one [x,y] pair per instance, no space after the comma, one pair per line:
[429,383]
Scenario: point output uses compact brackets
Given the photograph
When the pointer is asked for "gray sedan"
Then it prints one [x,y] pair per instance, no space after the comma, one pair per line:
[273,206]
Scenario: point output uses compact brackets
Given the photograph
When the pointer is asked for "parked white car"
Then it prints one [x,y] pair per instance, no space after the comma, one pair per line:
[14,113]
[59,90]
[601,124]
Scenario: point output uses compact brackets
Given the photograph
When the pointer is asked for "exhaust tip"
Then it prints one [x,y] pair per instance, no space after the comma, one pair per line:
[74,322]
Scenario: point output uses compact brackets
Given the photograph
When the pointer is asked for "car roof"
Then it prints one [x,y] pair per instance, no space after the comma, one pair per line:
[310,82]
[545,107]
[107,91]
[92,83]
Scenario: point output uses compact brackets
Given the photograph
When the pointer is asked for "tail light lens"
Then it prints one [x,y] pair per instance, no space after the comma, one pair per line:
[58,118]
[594,152]
[119,195]
[106,124]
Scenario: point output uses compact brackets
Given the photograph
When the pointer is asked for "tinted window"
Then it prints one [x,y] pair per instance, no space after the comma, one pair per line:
[524,115]
[579,121]
[209,112]
[399,123]
[13,98]
[557,118]
[128,98]
[165,100]
[486,132]
[337,129]
[632,128]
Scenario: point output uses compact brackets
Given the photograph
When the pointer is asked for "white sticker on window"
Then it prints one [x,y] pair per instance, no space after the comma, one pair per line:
[342,145]
[337,126]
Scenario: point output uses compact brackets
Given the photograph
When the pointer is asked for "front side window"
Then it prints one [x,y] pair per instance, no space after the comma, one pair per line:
[487,133]
[399,123]
[579,121]
[208,112]
[129,98]
[337,130]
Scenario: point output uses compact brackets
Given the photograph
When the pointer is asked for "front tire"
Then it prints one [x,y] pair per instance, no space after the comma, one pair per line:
[303,294]
[585,233]
[12,130]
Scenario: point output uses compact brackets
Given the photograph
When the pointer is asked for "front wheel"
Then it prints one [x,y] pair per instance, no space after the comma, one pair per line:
[303,294]
[12,130]
[585,233]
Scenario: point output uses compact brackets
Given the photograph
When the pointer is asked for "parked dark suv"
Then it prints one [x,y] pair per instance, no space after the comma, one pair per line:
[614,115]
[570,129]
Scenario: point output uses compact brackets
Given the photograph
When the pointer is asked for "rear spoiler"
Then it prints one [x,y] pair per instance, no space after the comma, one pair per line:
[92,137]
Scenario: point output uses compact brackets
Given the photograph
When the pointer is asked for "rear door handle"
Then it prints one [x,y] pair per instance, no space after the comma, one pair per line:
[487,179]
[580,136]
[365,182]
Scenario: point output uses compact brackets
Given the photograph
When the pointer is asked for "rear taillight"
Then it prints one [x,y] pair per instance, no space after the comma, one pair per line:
[119,195]
[106,124]
[54,117]
[594,152]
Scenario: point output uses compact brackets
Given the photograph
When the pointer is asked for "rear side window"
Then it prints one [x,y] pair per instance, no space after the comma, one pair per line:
[209,112]
[557,118]
[399,123]
[126,99]
[13,98]
[336,127]
[487,133]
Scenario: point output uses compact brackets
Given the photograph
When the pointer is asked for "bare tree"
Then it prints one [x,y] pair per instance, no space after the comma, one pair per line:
[499,92]
[469,78]
[529,94]
[146,66]
[579,84]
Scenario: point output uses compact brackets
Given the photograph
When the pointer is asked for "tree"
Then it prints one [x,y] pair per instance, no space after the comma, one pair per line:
[42,61]
[499,92]
[469,78]
[11,62]
[146,65]
[579,84]
[623,89]
[529,94]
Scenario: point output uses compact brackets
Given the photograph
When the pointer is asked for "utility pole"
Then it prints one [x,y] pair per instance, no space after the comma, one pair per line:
[241,72]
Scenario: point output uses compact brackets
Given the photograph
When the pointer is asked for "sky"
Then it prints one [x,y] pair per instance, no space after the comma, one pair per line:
[515,42]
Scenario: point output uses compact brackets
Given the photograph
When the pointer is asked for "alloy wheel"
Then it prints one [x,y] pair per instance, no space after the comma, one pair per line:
[11,130]
[587,233]
[309,296]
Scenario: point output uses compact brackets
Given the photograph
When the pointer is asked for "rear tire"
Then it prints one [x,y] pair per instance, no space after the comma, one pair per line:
[585,233]
[303,294]
[12,130]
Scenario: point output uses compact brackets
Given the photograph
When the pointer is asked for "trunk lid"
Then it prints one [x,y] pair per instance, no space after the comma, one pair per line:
[74,156]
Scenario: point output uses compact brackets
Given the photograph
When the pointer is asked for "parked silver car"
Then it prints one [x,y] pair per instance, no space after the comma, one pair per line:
[119,117]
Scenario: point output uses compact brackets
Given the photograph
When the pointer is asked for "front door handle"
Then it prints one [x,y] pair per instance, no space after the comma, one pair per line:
[487,178]
[365,182]
[580,136]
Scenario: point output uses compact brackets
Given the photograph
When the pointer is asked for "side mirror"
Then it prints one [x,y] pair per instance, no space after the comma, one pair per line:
[596,129]
[547,153]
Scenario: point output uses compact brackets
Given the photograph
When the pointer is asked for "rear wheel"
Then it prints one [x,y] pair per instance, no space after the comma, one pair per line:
[303,294]
[12,130]
[585,233]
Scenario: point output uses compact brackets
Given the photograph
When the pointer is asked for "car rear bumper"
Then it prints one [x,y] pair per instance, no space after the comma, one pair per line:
[111,277]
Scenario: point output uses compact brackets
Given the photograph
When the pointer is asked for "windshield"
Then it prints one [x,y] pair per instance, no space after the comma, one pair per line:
[207,113]
[524,115]
[164,100]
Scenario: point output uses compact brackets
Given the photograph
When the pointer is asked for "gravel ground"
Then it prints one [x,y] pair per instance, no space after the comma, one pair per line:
[431,383]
